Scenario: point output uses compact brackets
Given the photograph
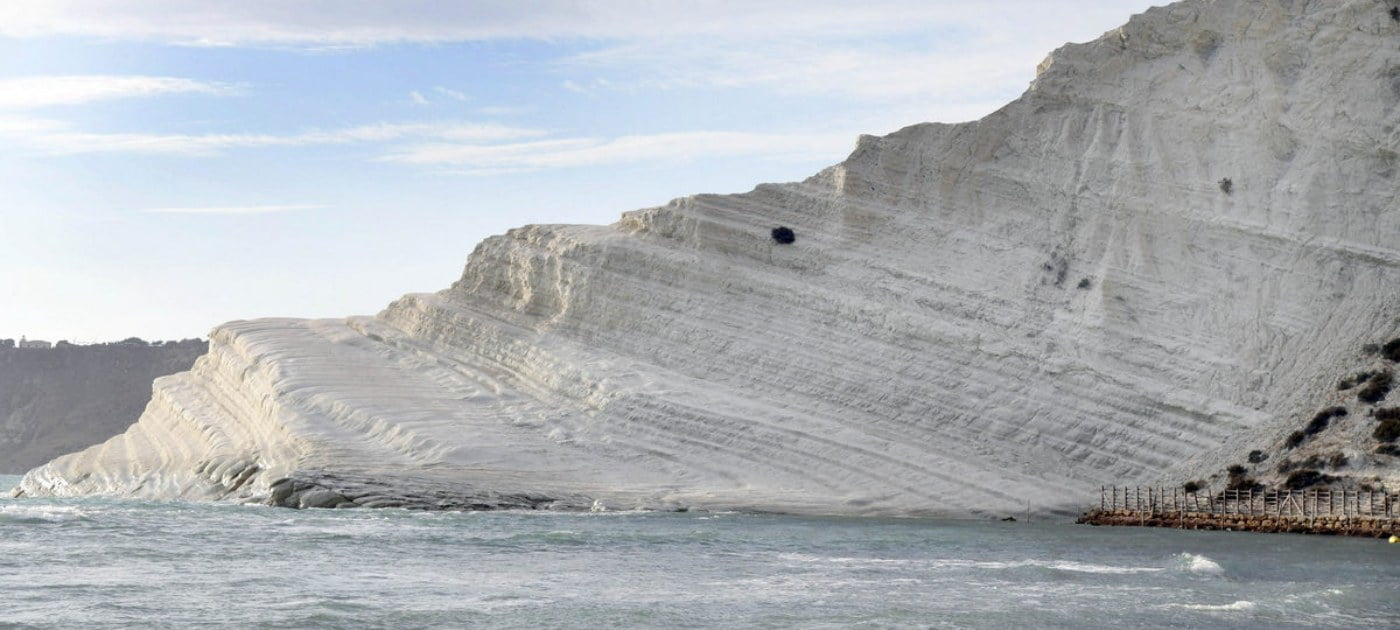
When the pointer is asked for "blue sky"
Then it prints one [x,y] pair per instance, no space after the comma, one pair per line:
[168,166]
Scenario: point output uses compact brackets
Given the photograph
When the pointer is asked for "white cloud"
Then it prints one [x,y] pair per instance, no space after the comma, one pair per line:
[19,126]
[669,147]
[472,148]
[874,73]
[42,91]
[56,138]
[419,98]
[878,51]
[369,22]
[502,110]
[450,93]
[235,209]
[940,52]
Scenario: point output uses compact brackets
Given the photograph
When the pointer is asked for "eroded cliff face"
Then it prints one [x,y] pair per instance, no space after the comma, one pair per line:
[1166,246]
[58,400]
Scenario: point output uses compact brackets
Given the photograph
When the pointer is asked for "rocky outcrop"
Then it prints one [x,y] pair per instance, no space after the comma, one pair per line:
[59,400]
[1169,242]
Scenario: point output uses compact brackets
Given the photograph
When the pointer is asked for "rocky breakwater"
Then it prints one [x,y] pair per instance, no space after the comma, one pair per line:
[1155,250]
[1363,526]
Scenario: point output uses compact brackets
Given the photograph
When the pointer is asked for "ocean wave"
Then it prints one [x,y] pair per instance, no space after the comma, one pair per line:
[936,563]
[1239,605]
[1196,563]
[41,514]
[1100,568]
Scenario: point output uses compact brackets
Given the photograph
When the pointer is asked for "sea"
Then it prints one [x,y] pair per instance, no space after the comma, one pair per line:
[110,563]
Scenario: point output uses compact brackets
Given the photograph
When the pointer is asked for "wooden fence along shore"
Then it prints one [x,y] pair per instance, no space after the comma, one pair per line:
[1315,511]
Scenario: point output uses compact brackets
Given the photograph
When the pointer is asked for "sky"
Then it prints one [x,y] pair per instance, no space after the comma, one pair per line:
[166,166]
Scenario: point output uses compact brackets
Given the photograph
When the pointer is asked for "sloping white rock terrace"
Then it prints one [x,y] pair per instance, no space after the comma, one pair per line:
[973,317]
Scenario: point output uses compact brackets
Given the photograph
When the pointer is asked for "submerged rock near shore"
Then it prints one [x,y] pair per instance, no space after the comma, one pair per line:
[1167,247]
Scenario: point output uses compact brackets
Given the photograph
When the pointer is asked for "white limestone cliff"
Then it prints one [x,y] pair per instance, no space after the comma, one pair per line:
[973,317]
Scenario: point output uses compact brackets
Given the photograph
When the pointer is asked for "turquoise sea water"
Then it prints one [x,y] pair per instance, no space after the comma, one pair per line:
[112,563]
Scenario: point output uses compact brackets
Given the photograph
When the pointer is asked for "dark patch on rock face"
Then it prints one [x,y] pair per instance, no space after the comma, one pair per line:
[1058,266]
[1206,44]
[784,235]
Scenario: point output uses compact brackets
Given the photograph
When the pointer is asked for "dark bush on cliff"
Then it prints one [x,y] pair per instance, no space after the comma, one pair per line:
[1377,388]
[1354,380]
[1306,478]
[1239,480]
[1318,423]
[1313,461]
[1244,483]
[784,235]
[1387,431]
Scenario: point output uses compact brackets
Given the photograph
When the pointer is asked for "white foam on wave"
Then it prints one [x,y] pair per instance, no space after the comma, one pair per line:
[1100,568]
[951,563]
[1238,605]
[1198,564]
[47,513]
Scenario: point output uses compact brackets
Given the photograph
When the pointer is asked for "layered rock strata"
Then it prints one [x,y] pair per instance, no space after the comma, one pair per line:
[1173,239]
